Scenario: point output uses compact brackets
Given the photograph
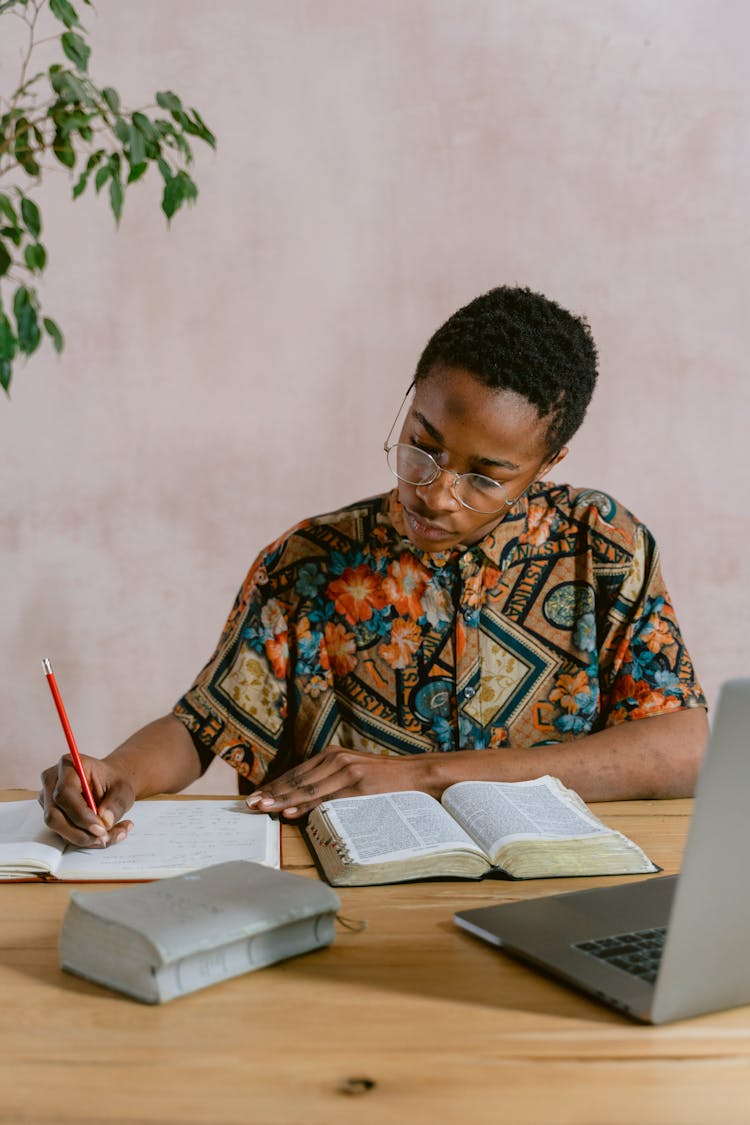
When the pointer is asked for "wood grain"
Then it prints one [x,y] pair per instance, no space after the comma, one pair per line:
[410,1019]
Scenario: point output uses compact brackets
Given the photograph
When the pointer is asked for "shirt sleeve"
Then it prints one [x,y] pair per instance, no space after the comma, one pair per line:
[237,706]
[645,668]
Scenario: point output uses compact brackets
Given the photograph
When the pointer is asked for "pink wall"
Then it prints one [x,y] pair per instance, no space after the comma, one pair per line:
[379,164]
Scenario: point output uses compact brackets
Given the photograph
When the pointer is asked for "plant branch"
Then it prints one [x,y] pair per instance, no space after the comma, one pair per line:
[31,21]
[78,125]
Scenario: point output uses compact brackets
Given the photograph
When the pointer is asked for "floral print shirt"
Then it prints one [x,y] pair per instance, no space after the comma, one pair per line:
[556,624]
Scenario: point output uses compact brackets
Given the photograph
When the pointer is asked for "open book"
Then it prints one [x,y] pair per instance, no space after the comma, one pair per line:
[522,829]
[167,838]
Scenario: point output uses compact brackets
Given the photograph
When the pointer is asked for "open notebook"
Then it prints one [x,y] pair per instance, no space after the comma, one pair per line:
[167,838]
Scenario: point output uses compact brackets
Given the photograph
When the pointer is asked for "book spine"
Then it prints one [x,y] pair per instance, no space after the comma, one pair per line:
[198,970]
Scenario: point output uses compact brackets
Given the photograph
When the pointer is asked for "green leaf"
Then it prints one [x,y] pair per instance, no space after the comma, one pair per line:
[164,128]
[137,146]
[31,216]
[55,334]
[189,189]
[172,197]
[29,165]
[22,128]
[116,197]
[21,297]
[94,159]
[5,260]
[63,150]
[112,98]
[69,86]
[57,80]
[145,126]
[22,149]
[29,336]
[175,139]
[35,257]
[115,187]
[14,233]
[70,122]
[194,126]
[167,100]
[80,185]
[122,130]
[76,49]
[8,209]
[83,179]
[6,371]
[182,119]
[136,172]
[65,12]
[101,177]
[203,132]
[8,341]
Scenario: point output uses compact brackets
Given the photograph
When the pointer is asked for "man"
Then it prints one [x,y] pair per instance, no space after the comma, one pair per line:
[475,623]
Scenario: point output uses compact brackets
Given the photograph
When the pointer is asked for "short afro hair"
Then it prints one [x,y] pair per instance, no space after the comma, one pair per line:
[517,340]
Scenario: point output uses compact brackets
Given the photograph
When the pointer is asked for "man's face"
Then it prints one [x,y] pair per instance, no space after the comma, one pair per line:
[468,427]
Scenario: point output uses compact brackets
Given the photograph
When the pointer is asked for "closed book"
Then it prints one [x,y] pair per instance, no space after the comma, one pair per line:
[156,941]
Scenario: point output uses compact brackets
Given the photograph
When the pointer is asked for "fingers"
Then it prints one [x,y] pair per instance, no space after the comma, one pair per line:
[303,784]
[335,773]
[65,808]
[82,836]
[116,834]
[67,813]
[116,801]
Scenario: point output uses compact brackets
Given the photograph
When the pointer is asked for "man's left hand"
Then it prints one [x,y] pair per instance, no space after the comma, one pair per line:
[337,773]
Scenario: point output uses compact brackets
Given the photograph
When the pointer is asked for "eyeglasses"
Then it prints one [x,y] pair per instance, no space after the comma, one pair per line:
[416,466]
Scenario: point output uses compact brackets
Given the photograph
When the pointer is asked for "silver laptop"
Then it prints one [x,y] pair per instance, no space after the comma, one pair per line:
[668,947]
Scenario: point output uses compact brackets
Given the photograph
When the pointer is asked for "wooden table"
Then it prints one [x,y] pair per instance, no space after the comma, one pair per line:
[409,1020]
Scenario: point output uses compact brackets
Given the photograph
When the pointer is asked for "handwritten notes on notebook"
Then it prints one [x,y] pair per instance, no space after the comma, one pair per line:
[167,838]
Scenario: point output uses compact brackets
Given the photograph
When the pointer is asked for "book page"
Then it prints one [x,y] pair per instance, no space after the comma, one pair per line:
[27,846]
[497,812]
[390,826]
[173,837]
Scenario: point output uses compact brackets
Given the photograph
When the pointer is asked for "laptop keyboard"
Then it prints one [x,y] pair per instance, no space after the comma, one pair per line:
[638,952]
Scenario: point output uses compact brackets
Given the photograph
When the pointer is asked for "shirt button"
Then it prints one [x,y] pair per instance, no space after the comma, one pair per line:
[469,692]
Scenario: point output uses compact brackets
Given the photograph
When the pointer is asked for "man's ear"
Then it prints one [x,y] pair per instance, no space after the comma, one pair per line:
[554,460]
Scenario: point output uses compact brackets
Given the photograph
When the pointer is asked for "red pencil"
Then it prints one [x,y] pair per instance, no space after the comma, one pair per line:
[69,736]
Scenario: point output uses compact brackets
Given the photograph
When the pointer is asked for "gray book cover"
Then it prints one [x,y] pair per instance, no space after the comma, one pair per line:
[155,941]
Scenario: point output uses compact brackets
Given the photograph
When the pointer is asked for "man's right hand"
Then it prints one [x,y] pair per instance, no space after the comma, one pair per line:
[67,813]
[158,758]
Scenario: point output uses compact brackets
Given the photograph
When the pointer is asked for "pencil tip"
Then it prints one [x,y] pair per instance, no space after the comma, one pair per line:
[47,667]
